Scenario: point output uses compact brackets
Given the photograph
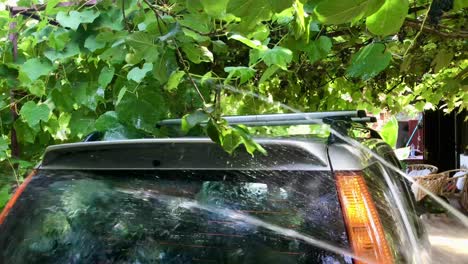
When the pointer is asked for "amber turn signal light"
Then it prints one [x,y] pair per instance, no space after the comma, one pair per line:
[362,221]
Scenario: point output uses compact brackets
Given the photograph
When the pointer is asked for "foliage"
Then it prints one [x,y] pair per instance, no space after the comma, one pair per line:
[4,195]
[389,132]
[121,66]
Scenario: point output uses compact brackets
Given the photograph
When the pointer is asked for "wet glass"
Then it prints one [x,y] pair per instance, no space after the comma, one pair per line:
[175,217]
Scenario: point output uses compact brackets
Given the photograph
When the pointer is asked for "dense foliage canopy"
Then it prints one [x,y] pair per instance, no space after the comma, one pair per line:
[119,66]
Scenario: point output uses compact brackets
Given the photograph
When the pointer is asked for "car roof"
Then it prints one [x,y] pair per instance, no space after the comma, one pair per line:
[195,154]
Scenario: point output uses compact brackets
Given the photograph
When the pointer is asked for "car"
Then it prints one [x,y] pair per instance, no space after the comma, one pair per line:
[185,200]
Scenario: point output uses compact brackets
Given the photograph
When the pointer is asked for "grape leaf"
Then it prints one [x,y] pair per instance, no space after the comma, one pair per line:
[32,69]
[143,45]
[254,44]
[197,54]
[442,60]
[142,111]
[33,113]
[268,73]
[215,8]
[74,18]
[231,140]
[4,195]
[277,56]
[244,73]
[70,50]
[107,121]
[3,150]
[92,44]
[369,61]
[193,119]
[389,18]
[81,125]
[136,74]
[106,75]
[253,12]
[339,12]
[389,132]
[174,80]
[318,49]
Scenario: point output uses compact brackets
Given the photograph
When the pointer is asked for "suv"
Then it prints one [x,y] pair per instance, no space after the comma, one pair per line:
[185,200]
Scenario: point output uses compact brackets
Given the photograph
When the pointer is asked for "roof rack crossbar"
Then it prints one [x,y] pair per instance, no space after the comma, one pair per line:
[285,119]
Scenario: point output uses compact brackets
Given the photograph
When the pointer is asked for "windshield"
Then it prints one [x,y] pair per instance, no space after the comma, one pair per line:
[174,217]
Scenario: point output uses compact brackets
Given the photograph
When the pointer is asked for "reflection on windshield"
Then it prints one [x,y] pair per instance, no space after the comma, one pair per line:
[77,217]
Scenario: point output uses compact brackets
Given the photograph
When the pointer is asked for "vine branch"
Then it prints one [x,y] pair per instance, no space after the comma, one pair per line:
[186,70]
[428,29]
[420,30]
[125,17]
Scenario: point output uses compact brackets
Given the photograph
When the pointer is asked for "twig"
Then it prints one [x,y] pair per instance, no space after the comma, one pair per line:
[125,17]
[462,73]
[158,16]
[419,32]
[186,70]
[396,85]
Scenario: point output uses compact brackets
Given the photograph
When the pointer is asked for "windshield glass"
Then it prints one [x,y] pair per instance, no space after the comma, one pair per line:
[174,217]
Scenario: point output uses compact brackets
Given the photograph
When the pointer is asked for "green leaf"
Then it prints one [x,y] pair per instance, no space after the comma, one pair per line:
[253,12]
[197,54]
[278,56]
[51,4]
[3,149]
[369,61]
[37,88]
[442,60]
[244,73]
[106,75]
[300,19]
[254,44]
[215,8]
[58,39]
[268,73]
[214,132]
[107,121]
[250,145]
[195,36]
[33,113]
[136,74]
[70,50]
[144,46]
[459,4]
[389,18]
[339,12]
[120,95]
[81,125]
[92,44]
[165,66]
[389,132]
[198,22]
[4,195]
[142,111]
[318,49]
[32,69]
[193,119]
[231,140]
[174,80]
[219,47]
[74,18]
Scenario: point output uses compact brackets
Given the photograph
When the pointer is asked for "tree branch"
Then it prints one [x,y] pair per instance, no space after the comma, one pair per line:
[413,23]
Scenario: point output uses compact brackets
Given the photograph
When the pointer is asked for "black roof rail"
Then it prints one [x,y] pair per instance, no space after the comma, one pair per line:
[287,119]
